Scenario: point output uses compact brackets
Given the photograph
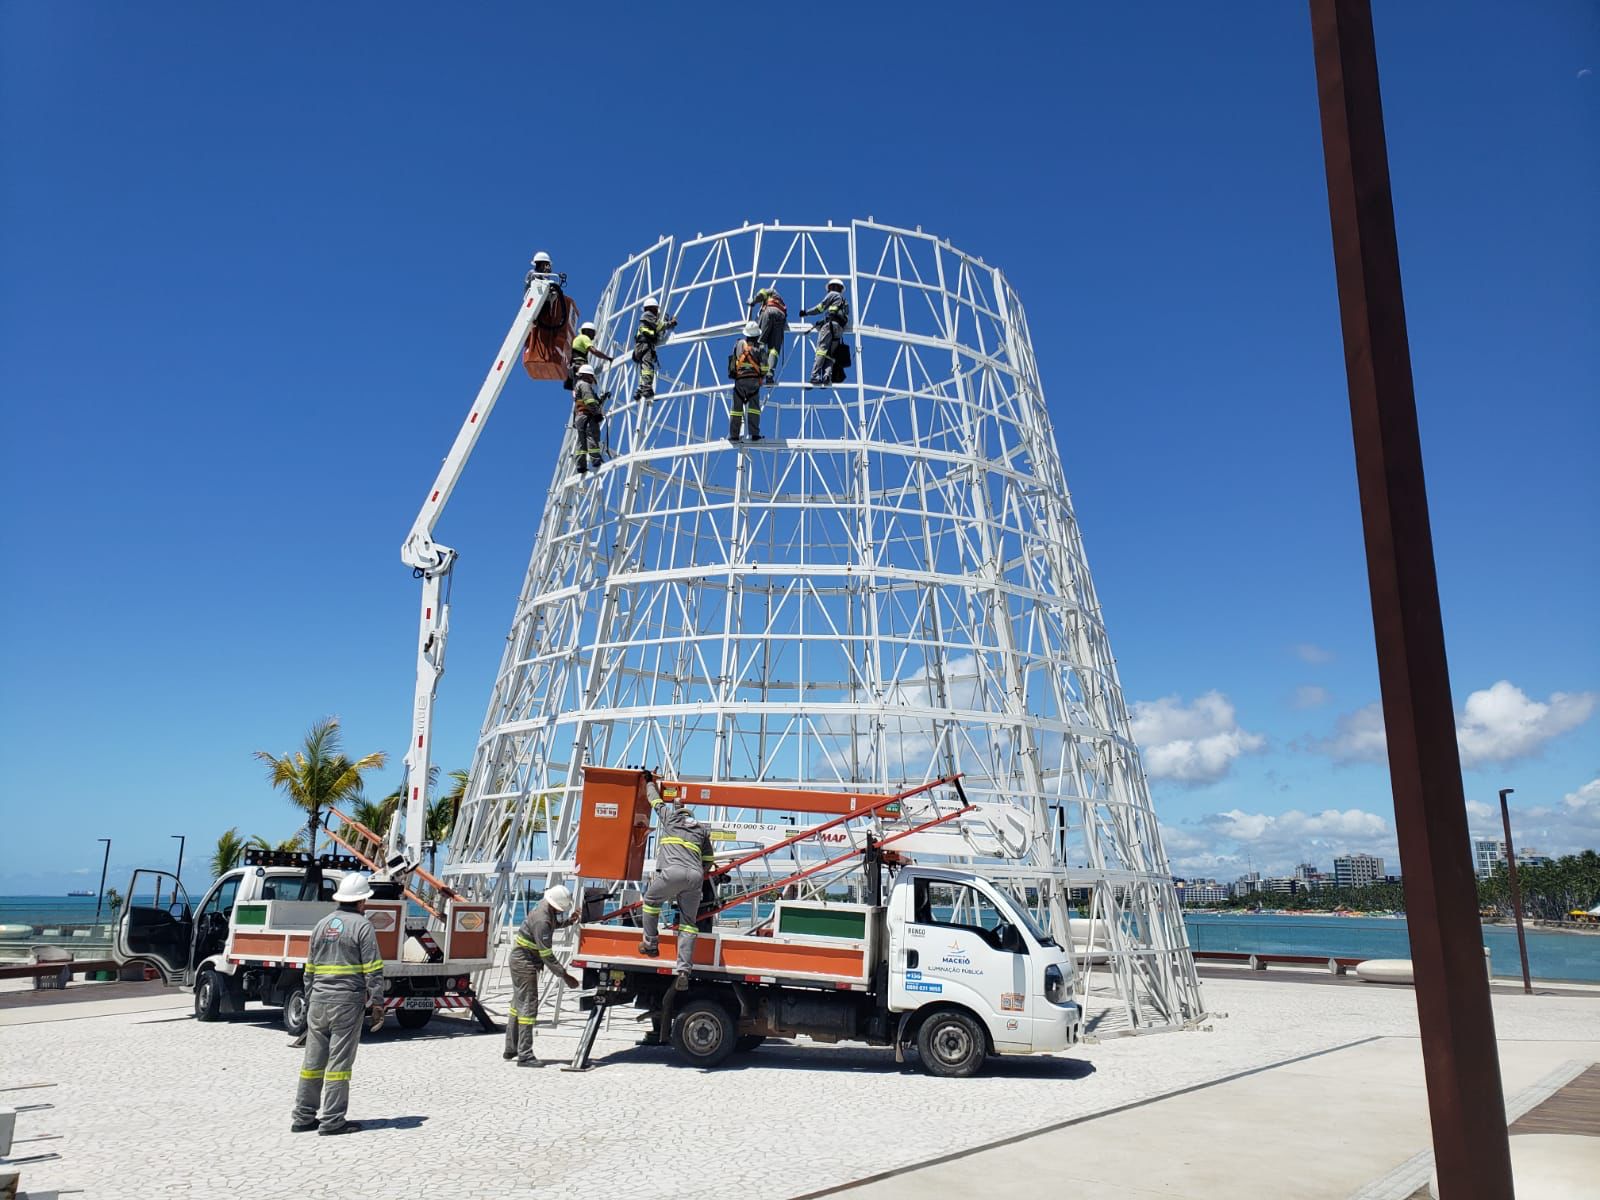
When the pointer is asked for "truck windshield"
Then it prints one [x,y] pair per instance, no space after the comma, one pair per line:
[1020,914]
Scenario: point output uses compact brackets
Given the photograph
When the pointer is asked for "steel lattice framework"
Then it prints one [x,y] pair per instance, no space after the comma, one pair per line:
[891,587]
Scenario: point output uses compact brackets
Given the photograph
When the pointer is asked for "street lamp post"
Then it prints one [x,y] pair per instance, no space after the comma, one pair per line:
[1516,890]
[181,842]
[106,862]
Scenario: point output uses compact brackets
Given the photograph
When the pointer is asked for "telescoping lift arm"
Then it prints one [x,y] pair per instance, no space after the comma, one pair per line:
[431,563]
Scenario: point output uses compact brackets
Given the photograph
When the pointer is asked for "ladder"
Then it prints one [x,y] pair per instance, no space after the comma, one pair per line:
[371,850]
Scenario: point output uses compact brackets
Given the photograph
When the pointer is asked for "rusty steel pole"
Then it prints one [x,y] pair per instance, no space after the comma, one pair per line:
[1465,1103]
[1516,890]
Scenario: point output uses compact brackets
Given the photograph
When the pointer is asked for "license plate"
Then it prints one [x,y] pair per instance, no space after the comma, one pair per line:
[417,1002]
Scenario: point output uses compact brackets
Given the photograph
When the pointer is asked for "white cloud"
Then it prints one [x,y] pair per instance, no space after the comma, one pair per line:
[1311,653]
[1480,811]
[1225,843]
[1357,737]
[1499,724]
[1309,695]
[1195,743]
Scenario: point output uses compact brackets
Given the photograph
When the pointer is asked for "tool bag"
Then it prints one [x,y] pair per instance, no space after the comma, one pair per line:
[549,343]
[842,358]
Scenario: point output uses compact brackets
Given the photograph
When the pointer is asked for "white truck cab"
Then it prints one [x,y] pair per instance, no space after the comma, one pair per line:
[957,940]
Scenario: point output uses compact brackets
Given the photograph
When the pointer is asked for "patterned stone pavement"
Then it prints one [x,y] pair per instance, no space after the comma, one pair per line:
[152,1104]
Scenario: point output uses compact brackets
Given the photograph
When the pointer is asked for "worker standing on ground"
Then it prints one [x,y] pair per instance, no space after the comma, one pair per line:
[683,855]
[344,977]
[835,313]
[582,347]
[746,370]
[534,952]
[772,315]
[587,412]
[653,330]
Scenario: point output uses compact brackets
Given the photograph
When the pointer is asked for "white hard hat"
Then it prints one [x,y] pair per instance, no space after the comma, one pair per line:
[586,372]
[836,284]
[560,899]
[751,329]
[541,257]
[586,327]
[650,302]
[353,887]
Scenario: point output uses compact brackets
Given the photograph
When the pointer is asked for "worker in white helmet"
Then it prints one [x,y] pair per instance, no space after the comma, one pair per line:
[533,952]
[541,269]
[583,346]
[745,368]
[587,413]
[653,330]
[344,977]
[835,313]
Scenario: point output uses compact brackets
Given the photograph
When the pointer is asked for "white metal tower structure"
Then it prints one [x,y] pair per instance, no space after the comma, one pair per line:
[890,587]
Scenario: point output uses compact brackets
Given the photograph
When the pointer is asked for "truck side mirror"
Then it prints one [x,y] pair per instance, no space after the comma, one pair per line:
[178,912]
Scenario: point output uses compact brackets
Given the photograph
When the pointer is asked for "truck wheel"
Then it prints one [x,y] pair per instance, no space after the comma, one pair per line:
[748,1042]
[294,1011]
[951,1044]
[207,996]
[703,1032]
[413,1018]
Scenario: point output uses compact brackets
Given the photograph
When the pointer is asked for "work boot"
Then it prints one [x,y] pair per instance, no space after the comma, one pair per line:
[347,1127]
[649,951]
[529,1062]
[508,1055]
[681,983]
[302,1126]
[754,422]
[734,423]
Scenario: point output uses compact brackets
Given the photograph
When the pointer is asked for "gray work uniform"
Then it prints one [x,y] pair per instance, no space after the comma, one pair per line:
[774,322]
[746,408]
[344,976]
[586,417]
[531,953]
[683,854]
[835,313]
[652,332]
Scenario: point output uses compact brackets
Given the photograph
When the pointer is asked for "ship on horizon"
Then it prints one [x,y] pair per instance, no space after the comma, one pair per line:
[80,893]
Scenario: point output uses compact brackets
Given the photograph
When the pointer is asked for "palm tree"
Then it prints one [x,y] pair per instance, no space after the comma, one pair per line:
[319,773]
[230,849]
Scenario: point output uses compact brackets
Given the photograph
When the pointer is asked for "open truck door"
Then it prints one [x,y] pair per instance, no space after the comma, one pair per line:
[156,925]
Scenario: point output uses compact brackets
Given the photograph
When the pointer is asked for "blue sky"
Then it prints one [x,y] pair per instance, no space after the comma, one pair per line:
[255,260]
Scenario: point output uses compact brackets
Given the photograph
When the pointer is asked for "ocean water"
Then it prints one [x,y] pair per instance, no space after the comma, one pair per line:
[1551,955]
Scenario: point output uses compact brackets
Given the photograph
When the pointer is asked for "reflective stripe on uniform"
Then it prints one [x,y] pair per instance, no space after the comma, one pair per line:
[309,1074]
[525,1020]
[678,841]
[653,909]
[337,1076]
[688,929]
[526,944]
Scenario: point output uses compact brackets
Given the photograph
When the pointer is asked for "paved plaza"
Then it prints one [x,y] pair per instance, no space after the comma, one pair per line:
[1301,1080]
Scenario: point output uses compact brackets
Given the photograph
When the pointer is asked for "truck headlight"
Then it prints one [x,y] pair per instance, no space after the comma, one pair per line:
[1055,984]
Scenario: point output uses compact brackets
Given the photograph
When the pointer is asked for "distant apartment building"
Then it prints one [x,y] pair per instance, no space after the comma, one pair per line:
[1279,886]
[1529,857]
[1357,870]
[1309,878]
[1247,884]
[1487,854]
[1204,891]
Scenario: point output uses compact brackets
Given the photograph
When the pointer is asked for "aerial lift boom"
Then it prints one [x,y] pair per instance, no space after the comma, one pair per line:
[432,563]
